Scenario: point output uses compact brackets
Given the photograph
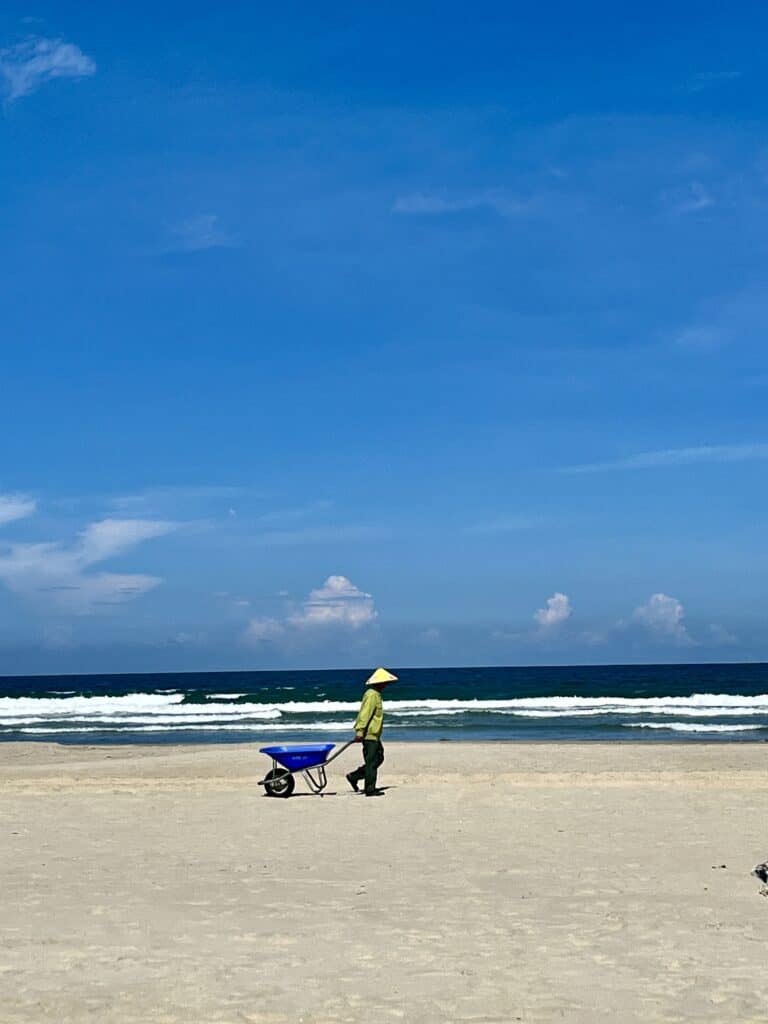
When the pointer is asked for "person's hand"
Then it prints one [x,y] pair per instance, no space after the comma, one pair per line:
[358,739]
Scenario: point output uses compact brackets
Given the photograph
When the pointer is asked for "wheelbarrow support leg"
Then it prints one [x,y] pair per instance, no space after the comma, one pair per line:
[316,784]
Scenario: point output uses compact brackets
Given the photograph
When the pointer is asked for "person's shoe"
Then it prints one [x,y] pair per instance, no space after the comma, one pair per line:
[353,782]
[375,792]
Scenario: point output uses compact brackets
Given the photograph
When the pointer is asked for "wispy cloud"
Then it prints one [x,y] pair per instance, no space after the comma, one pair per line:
[264,630]
[15,506]
[701,338]
[690,198]
[726,319]
[510,525]
[320,535]
[28,65]
[426,204]
[281,516]
[63,577]
[198,233]
[709,79]
[720,636]
[338,603]
[192,492]
[677,457]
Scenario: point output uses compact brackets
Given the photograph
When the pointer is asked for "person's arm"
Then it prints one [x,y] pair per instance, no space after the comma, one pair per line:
[364,715]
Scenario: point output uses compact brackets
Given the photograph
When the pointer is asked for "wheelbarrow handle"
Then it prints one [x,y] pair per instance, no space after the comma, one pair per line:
[340,751]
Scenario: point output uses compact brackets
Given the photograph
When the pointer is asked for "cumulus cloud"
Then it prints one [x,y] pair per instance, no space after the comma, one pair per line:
[30,64]
[62,576]
[557,611]
[663,616]
[338,604]
[15,506]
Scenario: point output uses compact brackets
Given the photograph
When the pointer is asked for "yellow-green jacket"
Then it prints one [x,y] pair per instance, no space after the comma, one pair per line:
[371,715]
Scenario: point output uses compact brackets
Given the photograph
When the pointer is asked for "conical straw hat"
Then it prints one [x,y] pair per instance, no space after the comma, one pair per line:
[380,676]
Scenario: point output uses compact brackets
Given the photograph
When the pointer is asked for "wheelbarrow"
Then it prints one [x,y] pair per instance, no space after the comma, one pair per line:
[309,759]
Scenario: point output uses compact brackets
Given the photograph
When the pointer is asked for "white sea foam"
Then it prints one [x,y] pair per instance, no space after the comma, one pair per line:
[180,721]
[423,713]
[242,727]
[52,707]
[691,727]
[672,709]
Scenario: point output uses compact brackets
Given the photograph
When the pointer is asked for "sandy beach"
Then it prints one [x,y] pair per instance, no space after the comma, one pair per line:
[492,883]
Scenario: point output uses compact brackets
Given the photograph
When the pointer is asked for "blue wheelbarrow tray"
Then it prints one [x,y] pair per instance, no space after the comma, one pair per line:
[299,756]
[308,758]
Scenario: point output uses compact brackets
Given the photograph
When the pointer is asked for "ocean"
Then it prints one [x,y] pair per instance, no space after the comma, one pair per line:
[616,703]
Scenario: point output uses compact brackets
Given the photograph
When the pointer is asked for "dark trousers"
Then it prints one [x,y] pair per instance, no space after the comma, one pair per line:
[373,753]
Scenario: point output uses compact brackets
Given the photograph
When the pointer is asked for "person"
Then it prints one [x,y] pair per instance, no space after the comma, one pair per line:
[368,727]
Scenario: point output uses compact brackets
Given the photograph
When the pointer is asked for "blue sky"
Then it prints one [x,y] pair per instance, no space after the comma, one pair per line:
[423,334]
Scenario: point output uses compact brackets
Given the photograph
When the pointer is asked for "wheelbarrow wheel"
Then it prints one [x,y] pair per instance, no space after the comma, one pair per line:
[279,783]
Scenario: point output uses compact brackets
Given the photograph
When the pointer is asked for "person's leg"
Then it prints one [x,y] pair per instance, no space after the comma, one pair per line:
[357,775]
[374,756]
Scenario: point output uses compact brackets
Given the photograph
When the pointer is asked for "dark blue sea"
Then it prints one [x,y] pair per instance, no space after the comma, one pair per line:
[616,703]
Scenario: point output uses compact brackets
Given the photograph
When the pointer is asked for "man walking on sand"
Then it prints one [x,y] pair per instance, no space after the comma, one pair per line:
[368,727]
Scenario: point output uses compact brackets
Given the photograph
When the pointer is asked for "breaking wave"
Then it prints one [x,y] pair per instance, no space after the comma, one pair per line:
[174,712]
[693,727]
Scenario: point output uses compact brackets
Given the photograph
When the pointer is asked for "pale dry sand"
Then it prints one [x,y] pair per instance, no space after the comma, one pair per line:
[493,883]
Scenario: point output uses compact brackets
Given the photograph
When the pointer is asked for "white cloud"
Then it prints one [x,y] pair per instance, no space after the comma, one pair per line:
[112,536]
[701,338]
[708,79]
[510,525]
[721,637]
[337,604]
[195,234]
[264,629]
[175,495]
[320,535]
[15,506]
[691,198]
[421,204]
[677,457]
[558,610]
[29,64]
[59,575]
[184,639]
[663,616]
